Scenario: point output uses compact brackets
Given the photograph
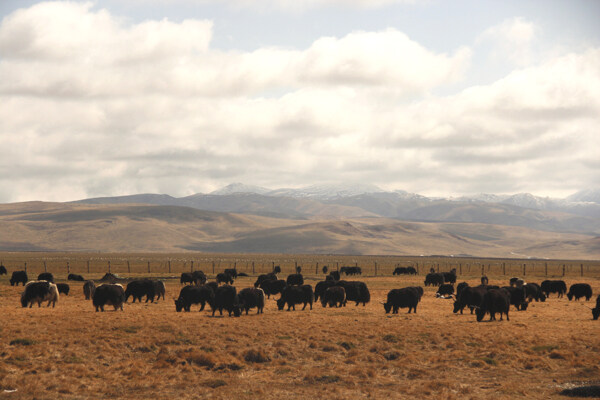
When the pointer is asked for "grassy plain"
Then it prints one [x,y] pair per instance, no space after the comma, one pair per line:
[150,351]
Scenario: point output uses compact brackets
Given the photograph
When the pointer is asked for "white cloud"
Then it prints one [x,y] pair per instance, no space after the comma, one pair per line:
[512,39]
[126,108]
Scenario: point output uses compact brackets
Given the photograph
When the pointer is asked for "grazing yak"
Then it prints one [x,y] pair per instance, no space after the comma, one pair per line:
[324,269]
[559,287]
[322,286]
[139,288]
[265,277]
[186,277]
[404,271]
[273,287]
[579,290]
[226,299]
[295,279]
[517,297]
[596,311]
[3,270]
[224,277]
[18,277]
[351,270]
[356,291]
[250,298]
[293,295]
[111,294]
[407,297]
[63,288]
[334,296]
[469,297]
[39,291]
[434,279]
[75,277]
[494,301]
[533,291]
[447,289]
[189,295]
[88,289]
[46,276]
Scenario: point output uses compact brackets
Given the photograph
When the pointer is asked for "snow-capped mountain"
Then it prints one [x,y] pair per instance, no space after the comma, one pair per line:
[240,188]
[585,196]
[327,192]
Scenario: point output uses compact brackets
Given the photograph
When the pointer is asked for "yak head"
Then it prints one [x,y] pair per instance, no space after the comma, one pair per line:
[480,311]
[456,307]
[178,305]
[524,306]
[570,296]
[280,303]
[596,313]
[387,307]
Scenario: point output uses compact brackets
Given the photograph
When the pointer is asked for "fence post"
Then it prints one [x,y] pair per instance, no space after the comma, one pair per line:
[25,267]
[460,268]
[375,268]
[564,269]
[524,269]
[417,265]
[253,267]
[317,269]
[503,268]
[482,270]
[128,267]
[337,266]
[213,265]
[581,269]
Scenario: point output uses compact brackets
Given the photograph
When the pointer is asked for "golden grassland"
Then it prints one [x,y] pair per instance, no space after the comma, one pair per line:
[150,351]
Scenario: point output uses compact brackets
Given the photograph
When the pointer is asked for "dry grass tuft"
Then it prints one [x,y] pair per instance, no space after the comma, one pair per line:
[200,358]
[256,356]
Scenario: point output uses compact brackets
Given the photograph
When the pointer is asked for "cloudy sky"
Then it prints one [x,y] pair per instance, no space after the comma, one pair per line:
[185,96]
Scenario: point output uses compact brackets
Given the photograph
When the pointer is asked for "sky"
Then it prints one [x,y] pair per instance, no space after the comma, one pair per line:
[436,97]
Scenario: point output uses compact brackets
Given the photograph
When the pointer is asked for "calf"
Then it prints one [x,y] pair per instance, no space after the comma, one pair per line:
[334,296]
[494,301]
[408,297]
[224,277]
[293,295]
[111,294]
[63,288]
[75,277]
[39,291]
[46,276]
[469,297]
[139,288]
[226,299]
[89,287]
[322,286]
[18,277]
[272,287]
[250,298]
[579,290]
[295,279]
[559,287]
[446,289]
[189,295]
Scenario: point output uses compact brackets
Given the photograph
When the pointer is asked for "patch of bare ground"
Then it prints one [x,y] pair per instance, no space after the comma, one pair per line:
[151,351]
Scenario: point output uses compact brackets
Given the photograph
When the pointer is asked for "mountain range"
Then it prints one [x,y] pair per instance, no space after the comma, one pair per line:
[319,219]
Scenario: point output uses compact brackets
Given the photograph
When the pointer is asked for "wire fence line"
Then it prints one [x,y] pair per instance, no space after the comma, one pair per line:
[254,264]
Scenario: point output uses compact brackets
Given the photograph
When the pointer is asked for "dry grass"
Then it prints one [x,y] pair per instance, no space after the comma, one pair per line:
[150,351]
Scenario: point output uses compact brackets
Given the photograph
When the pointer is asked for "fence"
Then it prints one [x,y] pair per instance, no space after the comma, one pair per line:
[153,264]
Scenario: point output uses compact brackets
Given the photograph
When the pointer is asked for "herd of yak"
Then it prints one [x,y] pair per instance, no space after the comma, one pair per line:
[333,292]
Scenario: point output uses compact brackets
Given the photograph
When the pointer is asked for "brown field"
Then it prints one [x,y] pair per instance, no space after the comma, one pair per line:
[150,351]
